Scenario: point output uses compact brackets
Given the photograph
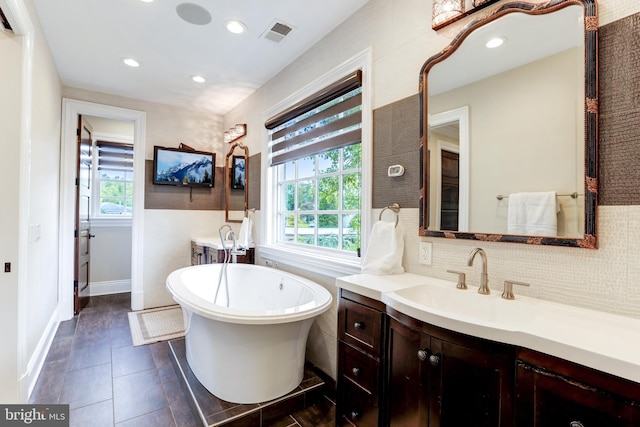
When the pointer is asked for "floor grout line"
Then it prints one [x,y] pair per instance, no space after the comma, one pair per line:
[82,329]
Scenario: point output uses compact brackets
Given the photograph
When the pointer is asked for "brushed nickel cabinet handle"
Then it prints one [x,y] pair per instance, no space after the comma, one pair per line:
[434,359]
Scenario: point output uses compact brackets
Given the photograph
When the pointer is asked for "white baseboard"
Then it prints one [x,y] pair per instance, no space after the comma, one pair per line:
[36,361]
[110,287]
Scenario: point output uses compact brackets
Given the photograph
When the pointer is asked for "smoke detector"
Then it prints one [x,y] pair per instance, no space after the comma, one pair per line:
[277,31]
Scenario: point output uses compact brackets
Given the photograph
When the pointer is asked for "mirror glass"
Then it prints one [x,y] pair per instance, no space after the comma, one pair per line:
[236,183]
[505,124]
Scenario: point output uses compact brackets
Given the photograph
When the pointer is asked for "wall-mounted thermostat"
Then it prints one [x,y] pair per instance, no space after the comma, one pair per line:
[395,170]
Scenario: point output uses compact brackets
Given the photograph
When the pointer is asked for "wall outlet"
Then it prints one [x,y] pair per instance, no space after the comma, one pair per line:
[424,253]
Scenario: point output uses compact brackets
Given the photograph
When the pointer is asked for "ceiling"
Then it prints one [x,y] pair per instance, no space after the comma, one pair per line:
[90,38]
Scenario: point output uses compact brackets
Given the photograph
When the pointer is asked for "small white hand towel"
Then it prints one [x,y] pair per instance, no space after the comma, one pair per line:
[384,252]
[533,214]
[245,239]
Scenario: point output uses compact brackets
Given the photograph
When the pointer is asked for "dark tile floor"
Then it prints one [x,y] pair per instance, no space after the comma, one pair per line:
[93,366]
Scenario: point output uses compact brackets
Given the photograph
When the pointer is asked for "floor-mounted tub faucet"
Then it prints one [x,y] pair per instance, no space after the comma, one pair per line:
[484,277]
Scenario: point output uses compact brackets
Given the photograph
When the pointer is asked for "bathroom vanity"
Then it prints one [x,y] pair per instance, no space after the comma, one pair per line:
[208,250]
[417,351]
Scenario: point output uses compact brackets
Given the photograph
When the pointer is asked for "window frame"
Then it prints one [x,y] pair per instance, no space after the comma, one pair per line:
[317,211]
[324,261]
[106,220]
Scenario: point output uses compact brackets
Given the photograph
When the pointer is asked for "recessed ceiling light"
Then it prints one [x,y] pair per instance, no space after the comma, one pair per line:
[236,27]
[495,42]
[131,62]
[147,1]
[198,79]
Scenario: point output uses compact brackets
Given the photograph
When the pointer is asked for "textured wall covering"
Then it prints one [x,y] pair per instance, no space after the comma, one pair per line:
[396,137]
[619,75]
[255,180]
[181,198]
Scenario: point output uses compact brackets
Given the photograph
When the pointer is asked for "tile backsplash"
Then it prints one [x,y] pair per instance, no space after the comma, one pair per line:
[603,279]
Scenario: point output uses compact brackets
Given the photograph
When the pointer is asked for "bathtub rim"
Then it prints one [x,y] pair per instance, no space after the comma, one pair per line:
[193,303]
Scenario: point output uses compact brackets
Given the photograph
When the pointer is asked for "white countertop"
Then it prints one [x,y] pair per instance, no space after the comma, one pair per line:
[603,341]
[213,242]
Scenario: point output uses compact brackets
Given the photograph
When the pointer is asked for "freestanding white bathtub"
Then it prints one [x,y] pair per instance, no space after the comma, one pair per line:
[254,350]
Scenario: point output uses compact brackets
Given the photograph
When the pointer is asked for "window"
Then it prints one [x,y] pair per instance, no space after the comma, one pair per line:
[316,168]
[320,199]
[114,180]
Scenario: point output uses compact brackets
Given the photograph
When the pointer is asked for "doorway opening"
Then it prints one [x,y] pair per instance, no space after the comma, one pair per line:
[449,140]
[72,109]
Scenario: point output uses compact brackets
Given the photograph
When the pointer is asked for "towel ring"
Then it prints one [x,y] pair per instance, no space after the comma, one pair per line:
[395,208]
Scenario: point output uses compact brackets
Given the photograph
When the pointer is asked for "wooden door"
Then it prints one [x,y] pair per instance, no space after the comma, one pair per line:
[82,212]
[450,191]
[407,376]
[548,399]
[472,386]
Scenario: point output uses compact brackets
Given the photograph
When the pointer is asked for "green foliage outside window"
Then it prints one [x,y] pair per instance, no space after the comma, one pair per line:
[322,200]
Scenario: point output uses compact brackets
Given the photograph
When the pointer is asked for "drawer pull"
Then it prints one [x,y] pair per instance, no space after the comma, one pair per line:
[434,360]
[356,371]
[576,424]
[422,355]
[354,415]
[358,325]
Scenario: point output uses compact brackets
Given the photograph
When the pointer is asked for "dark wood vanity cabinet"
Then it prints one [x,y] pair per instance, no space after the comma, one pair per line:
[441,378]
[397,371]
[361,345]
[552,392]
[207,255]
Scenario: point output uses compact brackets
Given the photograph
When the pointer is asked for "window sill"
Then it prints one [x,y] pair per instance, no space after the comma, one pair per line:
[110,222]
[311,261]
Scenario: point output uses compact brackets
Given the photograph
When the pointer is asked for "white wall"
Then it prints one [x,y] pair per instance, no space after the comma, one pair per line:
[42,294]
[10,93]
[400,34]
[30,110]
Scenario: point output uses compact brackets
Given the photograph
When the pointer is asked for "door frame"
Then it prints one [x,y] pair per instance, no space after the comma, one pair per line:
[460,115]
[71,108]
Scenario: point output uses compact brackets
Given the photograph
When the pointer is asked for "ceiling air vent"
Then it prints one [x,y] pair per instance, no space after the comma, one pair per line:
[5,22]
[277,31]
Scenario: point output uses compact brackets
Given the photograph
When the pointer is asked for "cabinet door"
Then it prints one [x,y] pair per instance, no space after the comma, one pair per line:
[406,391]
[471,386]
[546,399]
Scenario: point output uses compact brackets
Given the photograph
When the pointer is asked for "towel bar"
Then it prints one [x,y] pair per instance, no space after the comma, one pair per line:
[394,207]
[573,195]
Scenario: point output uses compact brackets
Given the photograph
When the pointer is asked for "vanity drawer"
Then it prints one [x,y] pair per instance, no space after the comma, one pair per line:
[360,369]
[359,408]
[361,327]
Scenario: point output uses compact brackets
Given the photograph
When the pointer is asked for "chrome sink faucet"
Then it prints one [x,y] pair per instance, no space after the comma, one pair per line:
[484,277]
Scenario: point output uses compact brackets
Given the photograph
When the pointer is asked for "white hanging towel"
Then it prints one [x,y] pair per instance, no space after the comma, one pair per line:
[245,239]
[533,214]
[384,252]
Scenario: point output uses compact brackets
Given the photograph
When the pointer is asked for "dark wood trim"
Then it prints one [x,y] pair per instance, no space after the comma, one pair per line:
[362,299]
[589,240]
[611,384]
